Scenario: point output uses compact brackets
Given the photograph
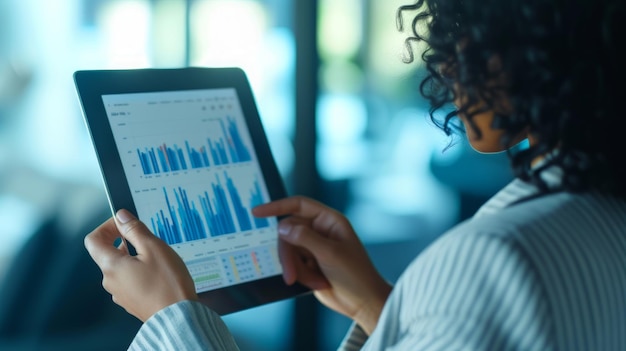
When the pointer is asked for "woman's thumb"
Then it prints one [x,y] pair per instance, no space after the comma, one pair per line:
[132,229]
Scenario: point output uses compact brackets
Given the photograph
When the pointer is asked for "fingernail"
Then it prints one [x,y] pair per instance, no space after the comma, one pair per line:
[123,216]
[283,229]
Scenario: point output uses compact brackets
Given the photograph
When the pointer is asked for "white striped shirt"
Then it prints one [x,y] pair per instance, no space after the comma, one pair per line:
[548,273]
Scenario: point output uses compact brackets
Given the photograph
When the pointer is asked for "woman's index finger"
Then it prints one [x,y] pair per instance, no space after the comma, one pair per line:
[294,205]
[322,216]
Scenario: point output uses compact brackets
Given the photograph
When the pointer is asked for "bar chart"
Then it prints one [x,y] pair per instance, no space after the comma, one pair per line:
[215,211]
[194,176]
[223,145]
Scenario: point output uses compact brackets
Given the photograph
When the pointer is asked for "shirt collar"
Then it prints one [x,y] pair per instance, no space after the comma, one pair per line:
[518,190]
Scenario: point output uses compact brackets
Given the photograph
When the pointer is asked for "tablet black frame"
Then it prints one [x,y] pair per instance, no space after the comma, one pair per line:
[91,85]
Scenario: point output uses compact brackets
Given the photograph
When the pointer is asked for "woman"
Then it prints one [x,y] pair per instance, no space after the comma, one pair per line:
[540,266]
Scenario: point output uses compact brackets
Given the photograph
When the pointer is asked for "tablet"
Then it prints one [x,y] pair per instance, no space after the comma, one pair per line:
[185,151]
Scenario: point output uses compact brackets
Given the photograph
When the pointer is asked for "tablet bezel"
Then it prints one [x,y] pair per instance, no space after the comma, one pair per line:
[91,85]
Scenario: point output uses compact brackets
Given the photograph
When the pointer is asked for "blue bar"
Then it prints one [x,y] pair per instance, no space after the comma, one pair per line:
[205,157]
[209,214]
[231,147]
[189,154]
[183,164]
[183,213]
[243,154]
[224,214]
[172,158]
[175,230]
[155,165]
[164,230]
[222,152]
[194,156]
[143,159]
[164,165]
[240,211]
[214,154]
[195,160]
[256,198]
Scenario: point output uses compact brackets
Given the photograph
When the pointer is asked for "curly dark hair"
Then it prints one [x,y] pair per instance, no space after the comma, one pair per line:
[560,59]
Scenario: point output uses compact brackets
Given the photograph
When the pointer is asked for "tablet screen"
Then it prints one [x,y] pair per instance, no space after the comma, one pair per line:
[194,176]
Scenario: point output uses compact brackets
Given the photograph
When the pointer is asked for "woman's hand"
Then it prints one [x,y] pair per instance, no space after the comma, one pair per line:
[320,249]
[143,284]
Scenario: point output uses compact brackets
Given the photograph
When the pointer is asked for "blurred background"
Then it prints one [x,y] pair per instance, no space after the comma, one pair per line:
[341,110]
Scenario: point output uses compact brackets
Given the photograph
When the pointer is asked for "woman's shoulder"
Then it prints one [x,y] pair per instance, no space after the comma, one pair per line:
[540,235]
[559,213]
[530,262]
[554,225]
[524,267]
